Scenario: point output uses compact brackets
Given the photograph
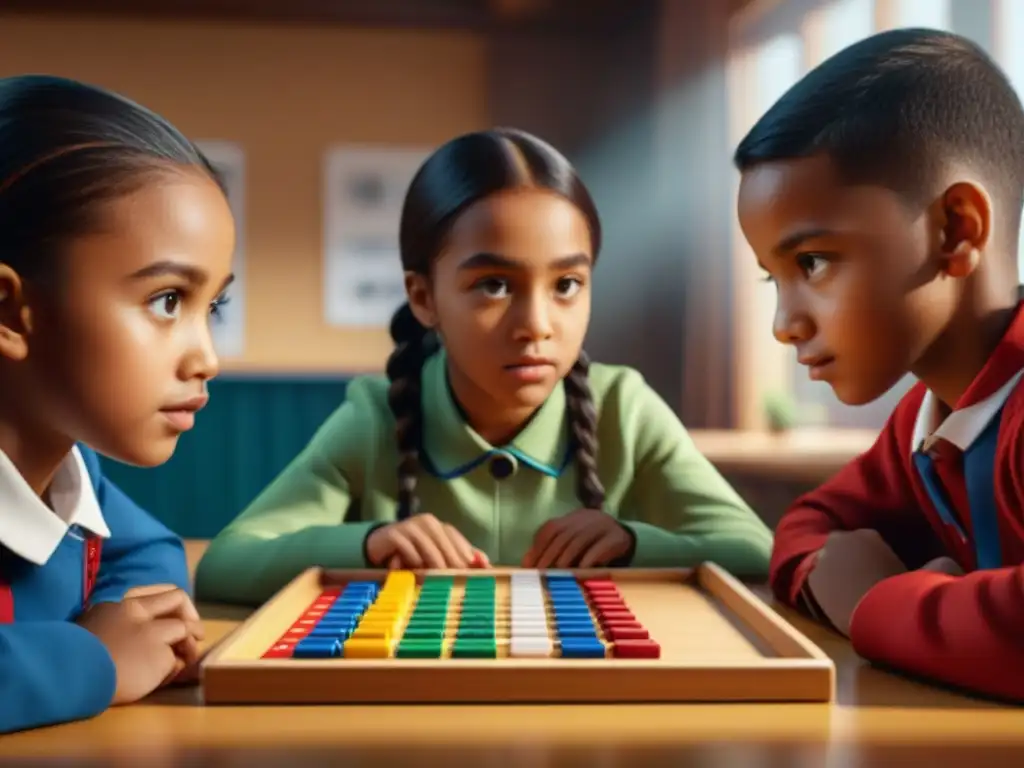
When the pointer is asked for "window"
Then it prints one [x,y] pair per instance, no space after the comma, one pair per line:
[1009,52]
[916,13]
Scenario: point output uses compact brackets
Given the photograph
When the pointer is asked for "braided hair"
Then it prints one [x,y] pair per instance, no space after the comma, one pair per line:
[460,173]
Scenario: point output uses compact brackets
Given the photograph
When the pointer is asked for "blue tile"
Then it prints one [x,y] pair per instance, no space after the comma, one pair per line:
[582,648]
[317,648]
[577,629]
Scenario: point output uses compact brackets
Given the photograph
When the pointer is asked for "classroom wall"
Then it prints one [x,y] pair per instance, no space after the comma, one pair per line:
[285,93]
[634,111]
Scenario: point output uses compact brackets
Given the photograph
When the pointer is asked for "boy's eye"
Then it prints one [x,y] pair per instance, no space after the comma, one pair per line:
[812,263]
[569,286]
[167,305]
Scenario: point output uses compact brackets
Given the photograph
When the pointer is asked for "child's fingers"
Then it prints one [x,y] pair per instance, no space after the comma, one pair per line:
[463,549]
[553,554]
[441,550]
[541,541]
[187,650]
[600,552]
[165,604]
[480,560]
[427,548]
[577,542]
[404,547]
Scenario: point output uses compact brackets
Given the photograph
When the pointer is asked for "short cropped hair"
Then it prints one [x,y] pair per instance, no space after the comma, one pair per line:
[897,108]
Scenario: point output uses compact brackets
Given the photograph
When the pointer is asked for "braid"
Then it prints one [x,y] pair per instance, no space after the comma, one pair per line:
[403,370]
[583,428]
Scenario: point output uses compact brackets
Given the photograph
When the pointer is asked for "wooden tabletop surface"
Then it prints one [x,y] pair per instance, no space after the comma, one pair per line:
[878,720]
[804,454]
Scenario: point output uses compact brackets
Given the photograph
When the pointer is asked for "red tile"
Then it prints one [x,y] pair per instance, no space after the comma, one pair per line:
[626,632]
[637,649]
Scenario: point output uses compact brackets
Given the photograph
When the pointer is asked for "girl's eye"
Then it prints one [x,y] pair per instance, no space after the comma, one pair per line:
[493,287]
[167,305]
[217,307]
[569,287]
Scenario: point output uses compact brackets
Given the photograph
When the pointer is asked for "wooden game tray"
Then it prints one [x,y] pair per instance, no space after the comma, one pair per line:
[719,643]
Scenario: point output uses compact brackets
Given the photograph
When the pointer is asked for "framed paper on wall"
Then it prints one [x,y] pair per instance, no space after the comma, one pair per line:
[229,329]
[364,187]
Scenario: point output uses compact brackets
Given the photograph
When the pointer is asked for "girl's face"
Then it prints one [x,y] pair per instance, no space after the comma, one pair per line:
[119,353]
[510,297]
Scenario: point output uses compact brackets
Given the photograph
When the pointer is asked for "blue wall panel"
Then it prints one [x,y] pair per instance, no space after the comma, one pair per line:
[251,429]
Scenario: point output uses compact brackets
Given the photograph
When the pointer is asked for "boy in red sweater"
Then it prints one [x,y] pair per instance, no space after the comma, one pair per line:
[882,196]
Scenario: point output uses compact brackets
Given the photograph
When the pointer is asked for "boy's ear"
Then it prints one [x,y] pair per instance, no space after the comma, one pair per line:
[15,315]
[421,298]
[967,227]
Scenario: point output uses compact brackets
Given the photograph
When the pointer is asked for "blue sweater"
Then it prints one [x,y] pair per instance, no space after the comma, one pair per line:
[51,669]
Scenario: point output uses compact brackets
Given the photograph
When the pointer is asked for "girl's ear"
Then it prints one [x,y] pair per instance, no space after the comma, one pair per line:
[421,298]
[15,315]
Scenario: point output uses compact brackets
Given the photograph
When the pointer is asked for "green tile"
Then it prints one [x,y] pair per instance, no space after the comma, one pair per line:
[423,633]
[419,649]
[474,649]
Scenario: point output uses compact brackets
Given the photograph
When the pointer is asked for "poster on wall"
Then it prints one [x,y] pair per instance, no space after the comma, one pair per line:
[229,328]
[363,194]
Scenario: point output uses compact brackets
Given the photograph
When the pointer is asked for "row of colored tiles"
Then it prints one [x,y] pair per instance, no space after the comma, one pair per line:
[343,623]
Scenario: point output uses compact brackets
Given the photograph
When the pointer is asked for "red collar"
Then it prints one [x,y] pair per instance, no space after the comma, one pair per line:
[1006,361]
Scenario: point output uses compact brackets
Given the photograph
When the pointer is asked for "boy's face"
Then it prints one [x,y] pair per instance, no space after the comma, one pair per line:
[855,272]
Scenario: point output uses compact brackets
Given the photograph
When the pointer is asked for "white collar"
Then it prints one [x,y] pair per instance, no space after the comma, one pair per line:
[31,529]
[962,427]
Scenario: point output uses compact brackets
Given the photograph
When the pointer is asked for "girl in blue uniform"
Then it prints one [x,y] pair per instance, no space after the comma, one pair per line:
[115,244]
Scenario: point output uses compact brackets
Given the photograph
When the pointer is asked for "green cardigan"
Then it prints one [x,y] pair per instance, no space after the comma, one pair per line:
[321,507]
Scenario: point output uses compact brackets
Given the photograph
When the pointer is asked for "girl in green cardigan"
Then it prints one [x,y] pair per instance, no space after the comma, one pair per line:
[492,438]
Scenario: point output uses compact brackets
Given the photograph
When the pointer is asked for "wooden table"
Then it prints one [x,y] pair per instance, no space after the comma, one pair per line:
[806,454]
[879,720]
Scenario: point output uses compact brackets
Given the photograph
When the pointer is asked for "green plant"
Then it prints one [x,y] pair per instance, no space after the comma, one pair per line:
[781,412]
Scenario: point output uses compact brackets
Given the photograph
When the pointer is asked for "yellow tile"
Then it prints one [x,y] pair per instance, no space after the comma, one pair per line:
[367,648]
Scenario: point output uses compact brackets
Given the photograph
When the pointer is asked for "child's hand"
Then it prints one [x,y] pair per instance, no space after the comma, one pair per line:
[188,650]
[144,635]
[945,565]
[422,541]
[584,539]
[848,566]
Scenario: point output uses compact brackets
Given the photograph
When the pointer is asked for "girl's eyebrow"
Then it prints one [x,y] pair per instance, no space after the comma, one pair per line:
[191,273]
[496,261]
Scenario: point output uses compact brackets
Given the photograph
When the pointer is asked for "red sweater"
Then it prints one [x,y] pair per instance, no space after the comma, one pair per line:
[966,631]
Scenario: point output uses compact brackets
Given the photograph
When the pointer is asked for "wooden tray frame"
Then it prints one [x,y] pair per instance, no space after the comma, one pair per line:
[799,671]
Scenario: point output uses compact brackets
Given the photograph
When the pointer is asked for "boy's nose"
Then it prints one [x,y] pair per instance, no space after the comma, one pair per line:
[790,326]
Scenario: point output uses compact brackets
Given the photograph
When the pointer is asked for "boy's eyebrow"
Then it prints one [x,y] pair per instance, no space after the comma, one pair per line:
[192,274]
[791,242]
[496,261]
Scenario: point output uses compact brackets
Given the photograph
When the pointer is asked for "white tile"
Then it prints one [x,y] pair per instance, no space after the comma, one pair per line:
[530,647]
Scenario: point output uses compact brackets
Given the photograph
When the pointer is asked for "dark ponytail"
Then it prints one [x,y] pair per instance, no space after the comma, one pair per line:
[461,172]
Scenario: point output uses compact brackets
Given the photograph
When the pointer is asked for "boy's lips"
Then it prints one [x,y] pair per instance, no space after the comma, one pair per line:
[817,365]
